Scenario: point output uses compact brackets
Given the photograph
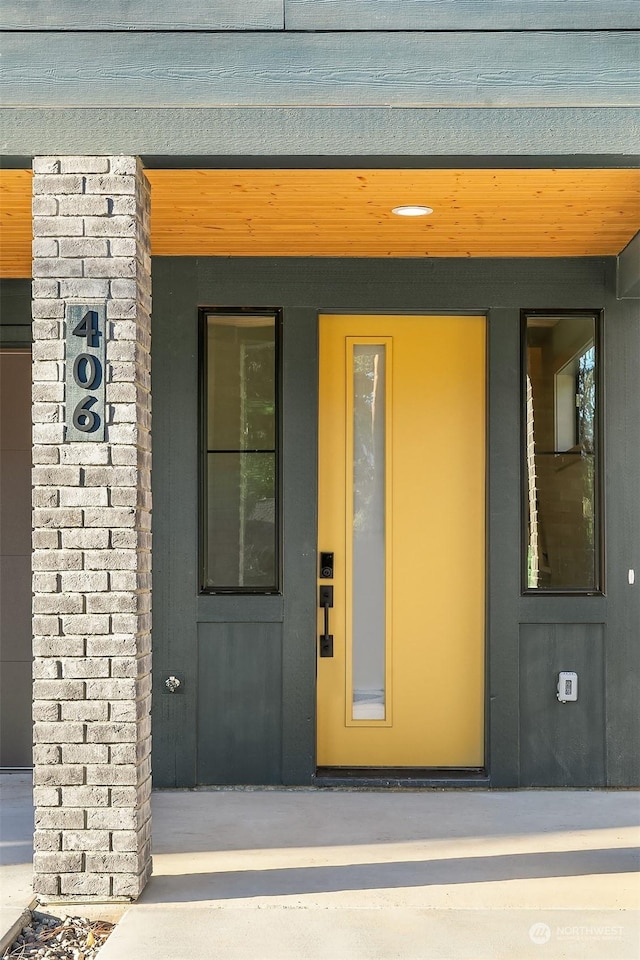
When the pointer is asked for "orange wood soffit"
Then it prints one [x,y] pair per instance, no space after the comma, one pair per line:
[347,213]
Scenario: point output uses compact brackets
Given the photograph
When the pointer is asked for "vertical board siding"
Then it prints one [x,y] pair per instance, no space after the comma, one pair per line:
[15,553]
[143,15]
[561,744]
[239,703]
[622,481]
[174,341]
[324,69]
[628,274]
[299,535]
[503,542]
[461,14]
[280,657]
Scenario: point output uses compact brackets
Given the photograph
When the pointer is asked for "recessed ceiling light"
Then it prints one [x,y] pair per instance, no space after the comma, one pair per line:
[412,211]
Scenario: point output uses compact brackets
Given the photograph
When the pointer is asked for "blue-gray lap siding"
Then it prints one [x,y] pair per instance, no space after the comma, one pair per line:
[316,15]
[318,77]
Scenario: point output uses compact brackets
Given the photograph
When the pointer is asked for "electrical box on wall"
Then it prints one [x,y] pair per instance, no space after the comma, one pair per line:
[567,686]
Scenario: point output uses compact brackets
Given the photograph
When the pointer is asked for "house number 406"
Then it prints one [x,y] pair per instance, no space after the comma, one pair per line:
[87,373]
[85,401]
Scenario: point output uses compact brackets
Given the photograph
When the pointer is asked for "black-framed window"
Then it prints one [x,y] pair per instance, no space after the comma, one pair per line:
[240,434]
[561,452]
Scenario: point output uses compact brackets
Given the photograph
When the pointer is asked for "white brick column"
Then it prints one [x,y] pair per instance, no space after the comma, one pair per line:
[92,538]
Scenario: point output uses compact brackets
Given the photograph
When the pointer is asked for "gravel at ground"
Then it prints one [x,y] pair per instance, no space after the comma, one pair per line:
[55,938]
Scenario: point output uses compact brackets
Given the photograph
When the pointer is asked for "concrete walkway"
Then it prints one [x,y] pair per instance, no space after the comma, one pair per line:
[412,875]
[16,853]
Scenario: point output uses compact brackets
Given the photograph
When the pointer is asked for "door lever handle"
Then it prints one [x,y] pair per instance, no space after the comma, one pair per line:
[326,638]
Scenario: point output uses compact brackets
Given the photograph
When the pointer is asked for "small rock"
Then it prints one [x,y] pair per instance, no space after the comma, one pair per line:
[54,938]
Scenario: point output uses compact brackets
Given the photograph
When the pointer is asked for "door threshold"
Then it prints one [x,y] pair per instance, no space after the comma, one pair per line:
[437,778]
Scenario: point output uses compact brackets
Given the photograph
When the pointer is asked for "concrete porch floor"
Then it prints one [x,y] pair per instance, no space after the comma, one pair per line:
[363,875]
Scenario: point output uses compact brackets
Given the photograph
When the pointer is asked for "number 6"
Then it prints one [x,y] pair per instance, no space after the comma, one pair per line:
[85,419]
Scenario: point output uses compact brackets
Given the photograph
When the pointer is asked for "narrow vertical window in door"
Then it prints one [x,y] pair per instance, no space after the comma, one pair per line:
[368,379]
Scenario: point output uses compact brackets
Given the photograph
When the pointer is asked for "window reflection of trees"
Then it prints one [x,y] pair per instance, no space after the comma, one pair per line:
[257,469]
[561,446]
[368,439]
[586,405]
[586,399]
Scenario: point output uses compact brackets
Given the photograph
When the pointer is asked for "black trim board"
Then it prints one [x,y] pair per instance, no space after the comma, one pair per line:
[577,161]
[417,778]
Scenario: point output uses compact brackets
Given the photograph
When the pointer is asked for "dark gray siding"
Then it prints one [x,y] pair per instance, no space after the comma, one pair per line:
[239,695]
[598,633]
[288,703]
[561,744]
[15,312]
[15,525]
[628,285]
[622,366]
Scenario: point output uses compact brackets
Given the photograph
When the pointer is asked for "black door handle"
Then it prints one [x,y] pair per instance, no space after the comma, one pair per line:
[326,638]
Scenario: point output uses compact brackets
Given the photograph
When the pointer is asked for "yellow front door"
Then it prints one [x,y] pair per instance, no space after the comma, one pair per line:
[402,510]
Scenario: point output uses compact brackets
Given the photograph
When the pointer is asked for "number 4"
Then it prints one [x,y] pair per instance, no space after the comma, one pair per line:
[88,327]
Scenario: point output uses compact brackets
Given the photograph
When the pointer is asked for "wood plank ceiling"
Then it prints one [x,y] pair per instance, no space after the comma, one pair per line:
[341,213]
[15,223]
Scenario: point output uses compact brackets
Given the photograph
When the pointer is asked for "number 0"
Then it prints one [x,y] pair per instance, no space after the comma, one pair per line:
[88,375]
